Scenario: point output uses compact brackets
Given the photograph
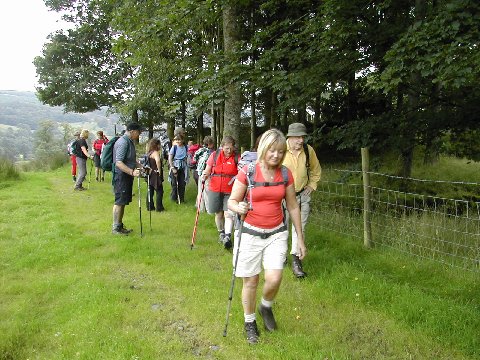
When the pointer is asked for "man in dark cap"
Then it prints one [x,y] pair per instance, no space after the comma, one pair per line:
[305,167]
[126,169]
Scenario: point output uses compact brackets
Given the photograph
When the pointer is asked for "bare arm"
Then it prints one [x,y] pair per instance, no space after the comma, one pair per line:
[294,211]
[126,169]
[235,201]
[85,152]
[158,161]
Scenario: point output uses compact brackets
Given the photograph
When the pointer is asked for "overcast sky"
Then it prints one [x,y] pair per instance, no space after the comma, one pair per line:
[24,27]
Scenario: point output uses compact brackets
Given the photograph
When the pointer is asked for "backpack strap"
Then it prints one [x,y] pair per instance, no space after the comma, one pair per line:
[307,160]
[251,175]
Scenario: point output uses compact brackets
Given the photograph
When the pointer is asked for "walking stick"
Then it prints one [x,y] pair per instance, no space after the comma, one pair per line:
[140,207]
[240,231]
[230,294]
[196,216]
[178,190]
[90,176]
[149,200]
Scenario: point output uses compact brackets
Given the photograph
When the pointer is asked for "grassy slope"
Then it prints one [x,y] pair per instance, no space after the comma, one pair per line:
[72,290]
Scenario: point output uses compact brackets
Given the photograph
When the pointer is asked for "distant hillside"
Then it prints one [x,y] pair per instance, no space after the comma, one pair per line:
[21,113]
[23,109]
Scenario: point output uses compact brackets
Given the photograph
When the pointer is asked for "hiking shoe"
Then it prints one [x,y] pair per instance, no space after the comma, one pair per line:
[227,243]
[120,231]
[297,267]
[127,231]
[221,237]
[251,332]
[79,189]
[268,319]
[74,178]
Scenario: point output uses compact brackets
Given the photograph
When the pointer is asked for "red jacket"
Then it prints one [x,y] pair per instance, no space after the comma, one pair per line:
[223,172]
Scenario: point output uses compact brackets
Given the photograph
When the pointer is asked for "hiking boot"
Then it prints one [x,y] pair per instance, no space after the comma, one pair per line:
[120,231]
[127,231]
[227,243]
[74,178]
[268,319]
[251,331]
[79,189]
[221,237]
[297,267]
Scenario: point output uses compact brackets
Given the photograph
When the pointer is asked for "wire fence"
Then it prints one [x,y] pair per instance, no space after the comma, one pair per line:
[417,222]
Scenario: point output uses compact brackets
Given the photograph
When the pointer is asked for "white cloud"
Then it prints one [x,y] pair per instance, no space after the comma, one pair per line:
[24,27]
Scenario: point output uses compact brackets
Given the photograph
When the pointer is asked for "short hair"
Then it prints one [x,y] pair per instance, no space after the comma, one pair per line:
[207,140]
[228,140]
[153,144]
[84,133]
[269,138]
[178,138]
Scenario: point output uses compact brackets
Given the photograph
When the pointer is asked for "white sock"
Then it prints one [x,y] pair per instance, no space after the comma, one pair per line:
[267,303]
[249,317]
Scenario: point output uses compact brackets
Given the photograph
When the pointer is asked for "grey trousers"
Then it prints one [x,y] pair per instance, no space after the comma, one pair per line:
[81,171]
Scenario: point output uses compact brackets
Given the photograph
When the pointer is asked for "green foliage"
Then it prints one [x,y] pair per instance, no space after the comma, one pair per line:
[463,144]
[8,171]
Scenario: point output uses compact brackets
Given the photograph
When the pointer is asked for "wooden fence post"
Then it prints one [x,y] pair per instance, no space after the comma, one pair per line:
[367,225]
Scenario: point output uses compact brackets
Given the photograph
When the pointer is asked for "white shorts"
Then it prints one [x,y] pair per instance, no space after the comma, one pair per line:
[255,252]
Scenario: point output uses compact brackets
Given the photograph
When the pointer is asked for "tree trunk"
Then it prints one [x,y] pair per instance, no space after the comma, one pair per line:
[199,128]
[253,119]
[267,109]
[233,100]
[214,124]
[316,117]
[184,114]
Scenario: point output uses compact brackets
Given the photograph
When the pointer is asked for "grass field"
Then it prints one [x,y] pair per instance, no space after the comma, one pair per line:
[71,290]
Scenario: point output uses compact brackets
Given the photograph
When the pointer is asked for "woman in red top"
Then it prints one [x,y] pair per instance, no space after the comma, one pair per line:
[97,146]
[264,233]
[222,169]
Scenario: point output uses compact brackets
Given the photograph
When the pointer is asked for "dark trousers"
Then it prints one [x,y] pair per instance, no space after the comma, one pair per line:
[156,199]
[178,186]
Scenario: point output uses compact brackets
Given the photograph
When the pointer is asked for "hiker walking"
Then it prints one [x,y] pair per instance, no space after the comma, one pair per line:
[125,170]
[97,146]
[178,175]
[264,234]
[221,168]
[81,152]
[155,184]
[191,162]
[73,157]
[200,157]
[305,167]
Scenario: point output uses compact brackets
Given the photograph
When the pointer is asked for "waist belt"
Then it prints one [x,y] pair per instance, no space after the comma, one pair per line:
[223,175]
[264,235]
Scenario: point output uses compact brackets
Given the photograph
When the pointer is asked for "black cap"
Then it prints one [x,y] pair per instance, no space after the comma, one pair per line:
[135,126]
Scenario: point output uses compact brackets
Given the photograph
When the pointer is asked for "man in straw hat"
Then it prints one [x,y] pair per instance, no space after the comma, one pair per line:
[305,167]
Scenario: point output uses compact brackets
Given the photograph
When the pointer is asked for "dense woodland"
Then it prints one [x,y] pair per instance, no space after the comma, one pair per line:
[390,75]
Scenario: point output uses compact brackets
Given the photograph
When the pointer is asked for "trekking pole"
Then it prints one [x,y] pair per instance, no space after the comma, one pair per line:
[196,216]
[90,175]
[140,207]
[149,200]
[178,189]
[230,294]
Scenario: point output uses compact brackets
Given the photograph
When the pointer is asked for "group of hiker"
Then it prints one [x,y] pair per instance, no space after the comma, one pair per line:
[77,149]
[254,196]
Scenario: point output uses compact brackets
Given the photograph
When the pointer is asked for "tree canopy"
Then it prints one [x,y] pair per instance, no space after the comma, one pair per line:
[357,72]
